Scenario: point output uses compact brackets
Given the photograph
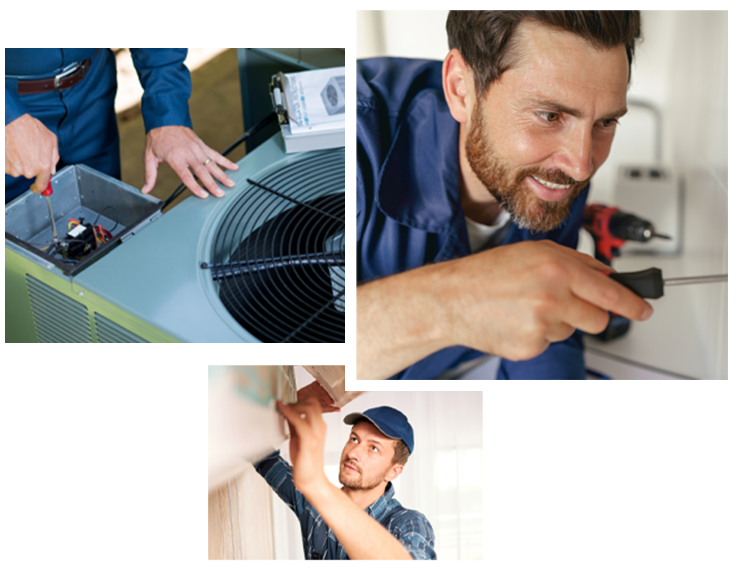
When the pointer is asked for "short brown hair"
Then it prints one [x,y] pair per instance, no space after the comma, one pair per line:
[483,37]
[401,452]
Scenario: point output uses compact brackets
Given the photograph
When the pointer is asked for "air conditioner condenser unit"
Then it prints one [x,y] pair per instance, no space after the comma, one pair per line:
[265,263]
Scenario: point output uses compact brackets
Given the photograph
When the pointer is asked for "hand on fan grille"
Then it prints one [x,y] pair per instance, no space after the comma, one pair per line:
[188,156]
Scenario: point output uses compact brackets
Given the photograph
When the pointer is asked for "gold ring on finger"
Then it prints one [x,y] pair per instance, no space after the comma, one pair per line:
[208,161]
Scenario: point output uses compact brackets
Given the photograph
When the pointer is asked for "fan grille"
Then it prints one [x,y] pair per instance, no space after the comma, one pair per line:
[278,253]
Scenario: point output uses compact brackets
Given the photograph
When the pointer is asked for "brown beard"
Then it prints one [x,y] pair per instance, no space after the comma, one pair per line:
[508,186]
[361,483]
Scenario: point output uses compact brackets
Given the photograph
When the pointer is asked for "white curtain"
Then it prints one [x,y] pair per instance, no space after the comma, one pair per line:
[443,476]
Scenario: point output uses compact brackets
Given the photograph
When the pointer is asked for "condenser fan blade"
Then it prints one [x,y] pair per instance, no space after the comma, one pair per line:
[281,273]
[278,255]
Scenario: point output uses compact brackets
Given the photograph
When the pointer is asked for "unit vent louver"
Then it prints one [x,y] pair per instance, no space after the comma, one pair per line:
[278,253]
[57,318]
[110,333]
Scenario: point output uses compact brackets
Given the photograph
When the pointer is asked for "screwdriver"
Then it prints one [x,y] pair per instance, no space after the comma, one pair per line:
[46,193]
[650,284]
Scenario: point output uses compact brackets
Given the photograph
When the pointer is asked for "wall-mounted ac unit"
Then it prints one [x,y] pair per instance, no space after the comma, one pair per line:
[263,264]
[243,424]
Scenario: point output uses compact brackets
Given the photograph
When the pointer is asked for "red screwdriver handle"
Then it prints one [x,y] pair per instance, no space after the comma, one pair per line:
[48,191]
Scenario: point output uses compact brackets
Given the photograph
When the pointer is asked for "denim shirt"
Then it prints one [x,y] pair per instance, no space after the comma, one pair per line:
[409,527]
[408,208]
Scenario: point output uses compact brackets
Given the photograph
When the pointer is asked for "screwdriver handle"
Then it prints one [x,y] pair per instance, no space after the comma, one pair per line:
[48,191]
[647,283]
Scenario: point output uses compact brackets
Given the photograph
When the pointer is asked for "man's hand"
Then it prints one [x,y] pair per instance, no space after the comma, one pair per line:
[307,437]
[181,148]
[535,293]
[316,390]
[511,301]
[31,151]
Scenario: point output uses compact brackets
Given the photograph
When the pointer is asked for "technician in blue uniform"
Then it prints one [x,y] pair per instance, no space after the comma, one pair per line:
[362,520]
[59,110]
[472,175]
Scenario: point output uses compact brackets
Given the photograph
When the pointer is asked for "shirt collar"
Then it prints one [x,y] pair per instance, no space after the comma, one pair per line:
[381,505]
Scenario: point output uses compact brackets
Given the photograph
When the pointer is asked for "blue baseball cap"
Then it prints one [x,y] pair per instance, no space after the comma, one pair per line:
[391,422]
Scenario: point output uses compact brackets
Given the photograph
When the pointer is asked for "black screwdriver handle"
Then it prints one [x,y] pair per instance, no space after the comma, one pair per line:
[647,283]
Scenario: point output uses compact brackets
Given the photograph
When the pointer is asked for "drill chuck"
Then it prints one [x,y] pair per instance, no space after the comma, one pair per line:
[630,227]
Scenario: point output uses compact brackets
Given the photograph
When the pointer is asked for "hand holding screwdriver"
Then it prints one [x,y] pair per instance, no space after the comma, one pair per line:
[650,284]
[31,151]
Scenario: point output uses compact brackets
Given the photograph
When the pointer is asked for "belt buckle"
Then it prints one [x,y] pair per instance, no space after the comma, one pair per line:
[69,72]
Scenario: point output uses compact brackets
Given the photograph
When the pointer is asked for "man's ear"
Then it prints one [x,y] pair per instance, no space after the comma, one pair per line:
[458,87]
[394,472]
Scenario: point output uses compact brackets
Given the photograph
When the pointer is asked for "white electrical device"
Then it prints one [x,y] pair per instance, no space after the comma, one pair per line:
[310,106]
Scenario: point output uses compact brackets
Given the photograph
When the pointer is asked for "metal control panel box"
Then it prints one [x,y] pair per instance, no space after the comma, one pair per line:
[81,196]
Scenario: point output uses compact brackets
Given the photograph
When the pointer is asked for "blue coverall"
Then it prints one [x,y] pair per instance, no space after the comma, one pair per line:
[83,116]
[408,207]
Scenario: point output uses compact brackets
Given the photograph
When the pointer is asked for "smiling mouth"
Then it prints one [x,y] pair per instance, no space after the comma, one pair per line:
[551,185]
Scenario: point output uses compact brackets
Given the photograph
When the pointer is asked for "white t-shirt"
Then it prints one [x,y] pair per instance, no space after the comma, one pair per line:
[486,236]
[482,237]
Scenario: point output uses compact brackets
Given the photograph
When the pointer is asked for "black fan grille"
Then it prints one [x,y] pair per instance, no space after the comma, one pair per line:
[278,253]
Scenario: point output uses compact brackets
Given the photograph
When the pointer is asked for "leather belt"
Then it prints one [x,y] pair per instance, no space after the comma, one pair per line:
[64,80]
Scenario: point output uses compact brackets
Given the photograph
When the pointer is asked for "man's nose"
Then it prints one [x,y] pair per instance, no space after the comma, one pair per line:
[576,156]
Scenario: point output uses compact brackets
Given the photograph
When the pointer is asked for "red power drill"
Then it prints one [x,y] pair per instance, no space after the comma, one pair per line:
[611,228]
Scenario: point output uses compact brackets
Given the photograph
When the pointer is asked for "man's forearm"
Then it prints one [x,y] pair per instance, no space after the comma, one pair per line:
[361,536]
[400,320]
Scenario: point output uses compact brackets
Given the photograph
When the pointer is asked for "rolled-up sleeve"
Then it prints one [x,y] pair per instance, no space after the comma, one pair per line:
[279,475]
[167,86]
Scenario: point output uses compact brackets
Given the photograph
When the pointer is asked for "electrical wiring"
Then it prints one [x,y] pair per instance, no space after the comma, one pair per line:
[102,212]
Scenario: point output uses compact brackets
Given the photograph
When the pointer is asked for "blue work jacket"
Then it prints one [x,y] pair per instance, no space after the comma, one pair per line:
[408,208]
[162,72]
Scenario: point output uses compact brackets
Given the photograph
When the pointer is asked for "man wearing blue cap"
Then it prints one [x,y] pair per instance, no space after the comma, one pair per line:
[362,520]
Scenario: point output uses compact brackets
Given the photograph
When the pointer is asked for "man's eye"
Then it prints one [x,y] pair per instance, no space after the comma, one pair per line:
[608,123]
[548,116]
[374,448]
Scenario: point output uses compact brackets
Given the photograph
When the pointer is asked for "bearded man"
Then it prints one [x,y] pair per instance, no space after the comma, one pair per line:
[472,176]
[362,520]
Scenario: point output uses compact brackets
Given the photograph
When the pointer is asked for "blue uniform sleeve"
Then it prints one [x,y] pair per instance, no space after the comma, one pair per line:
[13,107]
[167,86]
[279,475]
[414,531]
[369,158]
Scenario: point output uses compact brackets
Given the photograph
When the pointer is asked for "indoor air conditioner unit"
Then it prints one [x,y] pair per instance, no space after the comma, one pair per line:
[265,263]
[243,422]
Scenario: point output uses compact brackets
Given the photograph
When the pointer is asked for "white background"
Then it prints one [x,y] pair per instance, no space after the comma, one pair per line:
[104,448]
